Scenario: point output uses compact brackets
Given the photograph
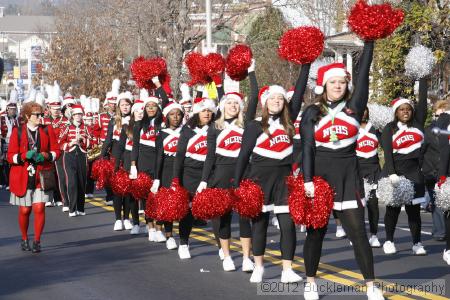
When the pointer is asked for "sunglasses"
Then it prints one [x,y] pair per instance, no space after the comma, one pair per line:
[38,114]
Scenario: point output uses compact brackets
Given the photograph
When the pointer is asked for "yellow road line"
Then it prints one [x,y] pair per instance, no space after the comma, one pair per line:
[298,262]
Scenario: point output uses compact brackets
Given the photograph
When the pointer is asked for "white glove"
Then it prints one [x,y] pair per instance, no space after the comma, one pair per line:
[296,172]
[155,79]
[252,66]
[155,186]
[200,88]
[133,172]
[395,180]
[201,186]
[309,189]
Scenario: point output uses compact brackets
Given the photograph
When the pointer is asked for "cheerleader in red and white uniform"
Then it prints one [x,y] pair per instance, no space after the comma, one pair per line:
[121,118]
[189,161]
[402,141]
[369,169]
[267,147]
[329,133]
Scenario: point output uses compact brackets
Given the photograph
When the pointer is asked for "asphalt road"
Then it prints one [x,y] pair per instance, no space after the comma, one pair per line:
[83,258]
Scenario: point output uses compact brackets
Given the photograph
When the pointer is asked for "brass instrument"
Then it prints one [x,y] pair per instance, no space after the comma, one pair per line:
[93,153]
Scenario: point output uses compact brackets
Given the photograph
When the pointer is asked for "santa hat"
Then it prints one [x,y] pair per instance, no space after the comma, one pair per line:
[232,96]
[268,91]
[125,95]
[289,94]
[399,101]
[77,109]
[171,105]
[137,106]
[88,116]
[201,104]
[151,99]
[326,72]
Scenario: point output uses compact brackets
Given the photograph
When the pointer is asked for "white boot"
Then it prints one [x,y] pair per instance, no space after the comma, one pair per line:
[389,247]
[418,249]
[374,242]
[127,224]
[171,244]
[118,225]
[183,252]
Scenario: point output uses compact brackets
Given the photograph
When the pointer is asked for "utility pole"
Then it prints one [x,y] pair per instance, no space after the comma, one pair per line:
[208,25]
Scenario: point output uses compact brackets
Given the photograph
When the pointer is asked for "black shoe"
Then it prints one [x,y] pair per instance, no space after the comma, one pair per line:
[36,247]
[25,245]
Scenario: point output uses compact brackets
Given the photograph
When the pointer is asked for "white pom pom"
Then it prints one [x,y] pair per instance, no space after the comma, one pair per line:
[443,196]
[318,63]
[318,90]
[395,196]
[380,115]
[419,62]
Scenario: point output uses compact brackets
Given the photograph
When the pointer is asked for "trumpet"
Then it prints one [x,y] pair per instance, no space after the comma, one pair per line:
[93,153]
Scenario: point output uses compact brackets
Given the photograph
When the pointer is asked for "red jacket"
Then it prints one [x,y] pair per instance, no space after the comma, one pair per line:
[101,126]
[18,176]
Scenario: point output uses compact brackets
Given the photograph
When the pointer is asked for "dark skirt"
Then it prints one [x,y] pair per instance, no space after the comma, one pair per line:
[222,176]
[127,160]
[147,160]
[370,171]
[167,171]
[191,179]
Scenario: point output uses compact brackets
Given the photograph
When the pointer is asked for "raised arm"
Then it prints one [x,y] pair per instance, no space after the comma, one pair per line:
[300,88]
[253,99]
[421,108]
[360,96]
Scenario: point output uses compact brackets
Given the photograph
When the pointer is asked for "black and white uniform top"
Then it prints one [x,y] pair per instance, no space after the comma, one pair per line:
[402,146]
[443,122]
[367,152]
[125,148]
[166,150]
[113,138]
[224,145]
[336,161]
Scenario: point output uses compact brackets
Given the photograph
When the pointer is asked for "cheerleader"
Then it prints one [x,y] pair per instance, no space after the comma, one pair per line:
[166,150]
[32,148]
[402,140]
[125,148]
[189,161]
[328,134]
[267,148]
[111,143]
[369,169]
[74,141]
[143,155]
[223,143]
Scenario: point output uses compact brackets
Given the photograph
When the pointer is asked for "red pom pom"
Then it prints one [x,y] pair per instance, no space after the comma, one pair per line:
[195,62]
[301,45]
[248,199]
[371,22]
[143,70]
[140,187]
[102,171]
[172,203]
[310,212]
[215,64]
[238,61]
[211,203]
[121,183]
[151,206]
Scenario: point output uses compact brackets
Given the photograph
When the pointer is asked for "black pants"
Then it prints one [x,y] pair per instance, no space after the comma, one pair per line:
[126,204]
[353,224]
[447,229]
[75,164]
[185,227]
[62,186]
[222,227]
[414,221]
[90,184]
[5,173]
[288,236]
[373,212]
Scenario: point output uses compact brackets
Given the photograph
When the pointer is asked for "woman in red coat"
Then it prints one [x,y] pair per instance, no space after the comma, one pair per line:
[28,155]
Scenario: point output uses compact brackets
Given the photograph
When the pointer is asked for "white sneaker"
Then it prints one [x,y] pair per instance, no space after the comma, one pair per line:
[141,212]
[310,291]
[374,293]
[446,256]
[89,196]
[135,230]
[418,249]
[257,275]
[65,209]
[7,188]
[160,237]
[151,234]
[59,203]
[74,214]
[183,252]
[289,276]
[118,225]
[340,232]
[275,222]
[171,244]
[389,247]
[247,265]
[302,228]
[109,203]
[228,264]
[49,204]
[127,224]
[221,255]
[374,242]
[81,213]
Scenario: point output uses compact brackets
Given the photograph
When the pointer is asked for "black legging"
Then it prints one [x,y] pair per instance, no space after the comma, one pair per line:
[414,221]
[447,229]
[185,228]
[128,204]
[288,236]
[222,227]
[373,212]
[353,223]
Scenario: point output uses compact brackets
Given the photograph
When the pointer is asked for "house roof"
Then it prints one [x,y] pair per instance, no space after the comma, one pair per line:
[27,24]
